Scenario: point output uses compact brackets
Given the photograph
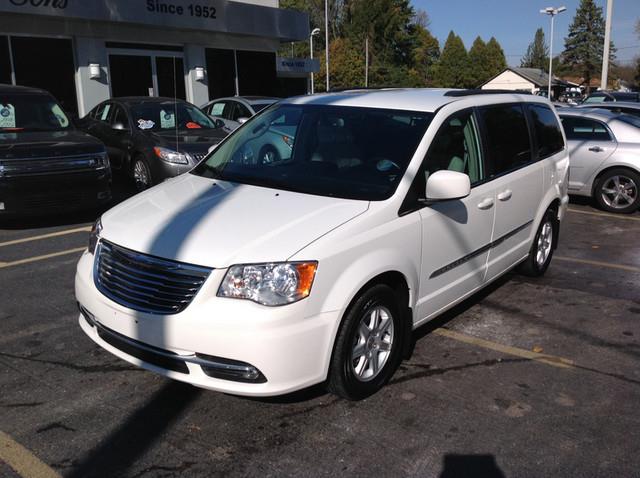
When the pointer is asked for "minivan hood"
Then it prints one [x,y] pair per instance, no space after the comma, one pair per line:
[217,223]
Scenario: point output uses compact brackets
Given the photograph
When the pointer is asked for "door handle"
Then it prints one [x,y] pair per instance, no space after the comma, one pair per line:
[505,195]
[486,203]
[596,149]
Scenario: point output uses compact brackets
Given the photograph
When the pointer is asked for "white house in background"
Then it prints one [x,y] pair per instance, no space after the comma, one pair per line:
[530,80]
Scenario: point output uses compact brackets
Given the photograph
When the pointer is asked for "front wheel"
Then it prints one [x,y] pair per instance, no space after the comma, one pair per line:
[141,174]
[617,191]
[541,251]
[368,347]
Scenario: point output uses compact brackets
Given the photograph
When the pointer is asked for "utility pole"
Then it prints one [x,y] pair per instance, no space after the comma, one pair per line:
[315,32]
[366,62]
[607,43]
[326,39]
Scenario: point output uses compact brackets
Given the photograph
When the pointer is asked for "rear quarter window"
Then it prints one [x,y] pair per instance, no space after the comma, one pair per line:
[576,128]
[547,130]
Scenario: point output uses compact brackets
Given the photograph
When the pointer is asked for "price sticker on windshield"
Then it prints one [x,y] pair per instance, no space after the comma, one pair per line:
[167,119]
[7,116]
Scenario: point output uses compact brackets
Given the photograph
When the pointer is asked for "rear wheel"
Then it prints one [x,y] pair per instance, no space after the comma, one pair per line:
[541,251]
[368,345]
[617,191]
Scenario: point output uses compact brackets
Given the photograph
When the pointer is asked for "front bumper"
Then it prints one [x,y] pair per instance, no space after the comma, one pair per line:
[54,192]
[289,346]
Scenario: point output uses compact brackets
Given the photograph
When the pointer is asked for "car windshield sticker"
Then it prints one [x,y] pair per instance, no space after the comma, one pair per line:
[60,116]
[105,113]
[145,124]
[192,125]
[167,119]
[216,109]
[7,116]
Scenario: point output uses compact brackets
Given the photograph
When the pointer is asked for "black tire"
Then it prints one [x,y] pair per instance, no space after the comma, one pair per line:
[535,265]
[344,380]
[138,174]
[268,155]
[617,190]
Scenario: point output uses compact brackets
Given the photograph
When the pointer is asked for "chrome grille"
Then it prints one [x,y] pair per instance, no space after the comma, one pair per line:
[146,283]
[37,166]
[198,156]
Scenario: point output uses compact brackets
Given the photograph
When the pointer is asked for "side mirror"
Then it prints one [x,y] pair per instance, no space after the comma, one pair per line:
[119,127]
[242,120]
[445,185]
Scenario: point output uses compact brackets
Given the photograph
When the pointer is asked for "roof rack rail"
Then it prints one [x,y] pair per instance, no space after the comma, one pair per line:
[484,92]
[364,88]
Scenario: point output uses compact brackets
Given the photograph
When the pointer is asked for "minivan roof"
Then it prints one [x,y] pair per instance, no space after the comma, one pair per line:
[411,99]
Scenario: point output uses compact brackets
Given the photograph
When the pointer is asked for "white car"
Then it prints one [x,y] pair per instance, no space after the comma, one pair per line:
[261,278]
[235,110]
[605,157]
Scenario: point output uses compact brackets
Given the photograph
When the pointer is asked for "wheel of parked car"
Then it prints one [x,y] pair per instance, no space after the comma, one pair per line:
[269,155]
[541,251]
[617,190]
[367,350]
[141,174]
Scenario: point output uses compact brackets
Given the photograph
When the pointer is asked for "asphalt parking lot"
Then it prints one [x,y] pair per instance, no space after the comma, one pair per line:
[531,378]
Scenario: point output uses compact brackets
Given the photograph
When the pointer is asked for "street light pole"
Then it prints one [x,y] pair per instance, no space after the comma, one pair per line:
[607,42]
[315,32]
[326,39]
[552,11]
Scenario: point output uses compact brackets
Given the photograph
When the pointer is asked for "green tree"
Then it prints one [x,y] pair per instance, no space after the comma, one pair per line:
[537,55]
[496,61]
[425,52]
[452,70]
[583,47]
[478,63]
[347,65]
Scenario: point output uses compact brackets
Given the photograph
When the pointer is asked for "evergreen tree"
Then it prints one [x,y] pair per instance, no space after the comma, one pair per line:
[425,54]
[537,55]
[452,70]
[583,47]
[478,63]
[496,61]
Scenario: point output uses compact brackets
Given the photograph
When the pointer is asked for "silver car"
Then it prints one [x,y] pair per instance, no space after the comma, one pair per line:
[235,110]
[605,156]
[628,107]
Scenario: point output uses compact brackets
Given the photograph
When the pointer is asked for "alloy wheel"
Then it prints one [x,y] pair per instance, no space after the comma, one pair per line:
[141,176]
[372,343]
[545,240]
[619,192]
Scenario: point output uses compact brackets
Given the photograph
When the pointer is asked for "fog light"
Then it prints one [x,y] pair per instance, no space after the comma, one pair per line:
[226,369]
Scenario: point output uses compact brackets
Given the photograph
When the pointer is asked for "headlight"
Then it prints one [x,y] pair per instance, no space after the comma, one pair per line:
[171,156]
[95,236]
[102,161]
[269,284]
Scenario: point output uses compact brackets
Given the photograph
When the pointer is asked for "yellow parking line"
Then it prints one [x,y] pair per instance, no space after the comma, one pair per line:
[40,258]
[603,214]
[45,236]
[23,462]
[506,349]
[598,263]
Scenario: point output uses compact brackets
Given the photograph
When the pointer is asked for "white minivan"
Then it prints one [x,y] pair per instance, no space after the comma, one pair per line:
[258,276]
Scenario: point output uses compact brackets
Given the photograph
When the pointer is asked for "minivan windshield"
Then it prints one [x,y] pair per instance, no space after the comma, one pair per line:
[337,151]
[31,112]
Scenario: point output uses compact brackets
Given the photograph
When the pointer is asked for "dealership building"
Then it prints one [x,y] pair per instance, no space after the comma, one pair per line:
[86,51]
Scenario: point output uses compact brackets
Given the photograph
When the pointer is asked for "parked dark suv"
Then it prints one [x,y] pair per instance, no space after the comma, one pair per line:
[46,164]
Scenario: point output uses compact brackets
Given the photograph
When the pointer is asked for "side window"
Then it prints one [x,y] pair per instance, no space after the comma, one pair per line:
[547,130]
[102,113]
[216,109]
[239,111]
[119,116]
[456,148]
[584,129]
[507,135]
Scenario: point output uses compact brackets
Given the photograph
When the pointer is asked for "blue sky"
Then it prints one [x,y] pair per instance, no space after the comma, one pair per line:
[514,23]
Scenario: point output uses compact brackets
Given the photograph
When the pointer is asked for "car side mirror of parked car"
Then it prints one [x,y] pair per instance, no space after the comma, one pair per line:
[242,120]
[119,127]
[445,185]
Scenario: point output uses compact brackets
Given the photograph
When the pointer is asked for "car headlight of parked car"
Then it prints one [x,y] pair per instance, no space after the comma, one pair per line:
[102,161]
[95,236]
[271,284]
[171,156]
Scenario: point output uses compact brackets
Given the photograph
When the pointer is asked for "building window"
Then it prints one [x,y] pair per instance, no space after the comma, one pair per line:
[257,73]
[221,72]
[5,61]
